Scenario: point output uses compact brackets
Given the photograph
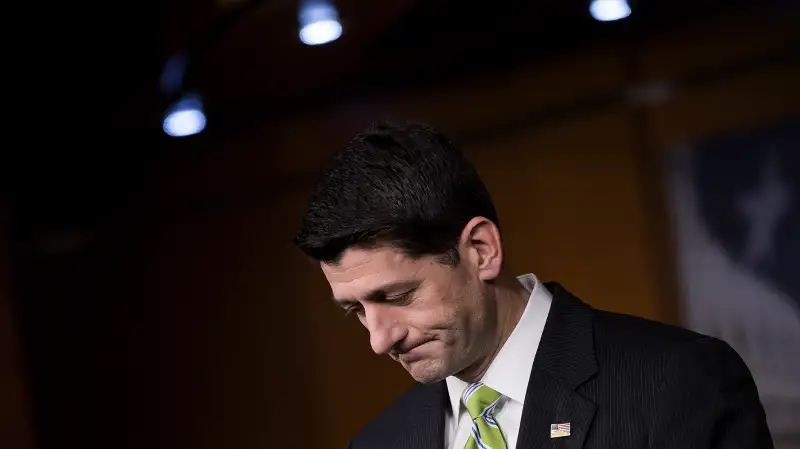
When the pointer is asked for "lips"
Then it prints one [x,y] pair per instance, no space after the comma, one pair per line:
[409,357]
[412,354]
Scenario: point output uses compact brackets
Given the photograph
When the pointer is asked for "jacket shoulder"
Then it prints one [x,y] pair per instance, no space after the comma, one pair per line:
[630,330]
[621,333]
[621,340]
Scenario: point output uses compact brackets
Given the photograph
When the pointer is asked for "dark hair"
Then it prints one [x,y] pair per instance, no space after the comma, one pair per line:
[402,185]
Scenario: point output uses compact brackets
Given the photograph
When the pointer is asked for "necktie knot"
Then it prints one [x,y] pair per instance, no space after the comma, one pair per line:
[480,400]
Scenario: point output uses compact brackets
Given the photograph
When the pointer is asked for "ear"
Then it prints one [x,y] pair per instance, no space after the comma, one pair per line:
[482,248]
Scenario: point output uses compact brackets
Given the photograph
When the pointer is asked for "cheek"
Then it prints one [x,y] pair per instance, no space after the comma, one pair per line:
[439,312]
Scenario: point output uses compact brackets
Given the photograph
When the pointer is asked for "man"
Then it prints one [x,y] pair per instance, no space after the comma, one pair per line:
[409,241]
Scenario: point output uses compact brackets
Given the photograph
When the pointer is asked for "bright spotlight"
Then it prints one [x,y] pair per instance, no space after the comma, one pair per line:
[185,117]
[319,22]
[609,10]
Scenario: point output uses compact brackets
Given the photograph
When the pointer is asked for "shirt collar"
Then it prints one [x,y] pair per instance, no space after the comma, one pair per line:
[510,370]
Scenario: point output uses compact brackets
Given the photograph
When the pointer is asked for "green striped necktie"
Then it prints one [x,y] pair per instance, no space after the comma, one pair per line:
[481,401]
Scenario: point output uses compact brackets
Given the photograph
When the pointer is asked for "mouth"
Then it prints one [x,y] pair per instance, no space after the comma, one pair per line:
[412,355]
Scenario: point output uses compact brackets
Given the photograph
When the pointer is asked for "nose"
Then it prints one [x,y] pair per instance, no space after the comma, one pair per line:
[384,327]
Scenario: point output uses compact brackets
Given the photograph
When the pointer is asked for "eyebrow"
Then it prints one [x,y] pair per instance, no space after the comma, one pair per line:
[372,295]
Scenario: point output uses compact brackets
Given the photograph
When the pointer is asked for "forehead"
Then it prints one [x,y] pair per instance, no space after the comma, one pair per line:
[364,270]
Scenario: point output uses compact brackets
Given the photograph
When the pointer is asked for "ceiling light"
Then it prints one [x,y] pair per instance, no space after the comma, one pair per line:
[609,10]
[185,117]
[319,22]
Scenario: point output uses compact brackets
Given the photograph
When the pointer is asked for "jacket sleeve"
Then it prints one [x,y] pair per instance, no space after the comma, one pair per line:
[708,400]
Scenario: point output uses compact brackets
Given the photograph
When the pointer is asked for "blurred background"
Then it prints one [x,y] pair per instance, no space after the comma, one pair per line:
[645,154]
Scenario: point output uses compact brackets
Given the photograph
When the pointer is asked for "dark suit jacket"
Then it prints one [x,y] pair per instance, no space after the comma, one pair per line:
[620,381]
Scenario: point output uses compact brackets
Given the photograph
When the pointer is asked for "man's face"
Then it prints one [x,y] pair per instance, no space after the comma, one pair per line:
[432,318]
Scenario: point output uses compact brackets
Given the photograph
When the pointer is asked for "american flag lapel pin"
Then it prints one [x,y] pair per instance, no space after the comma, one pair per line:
[559,430]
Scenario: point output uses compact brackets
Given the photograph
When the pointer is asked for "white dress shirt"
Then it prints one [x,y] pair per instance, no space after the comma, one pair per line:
[508,373]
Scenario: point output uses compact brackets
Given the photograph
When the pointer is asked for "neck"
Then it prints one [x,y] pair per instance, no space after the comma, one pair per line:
[511,298]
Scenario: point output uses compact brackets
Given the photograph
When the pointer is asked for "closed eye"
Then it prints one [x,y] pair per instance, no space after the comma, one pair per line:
[351,310]
[400,299]
[380,296]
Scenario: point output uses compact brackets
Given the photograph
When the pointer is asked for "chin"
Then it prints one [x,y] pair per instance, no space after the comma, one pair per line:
[426,373]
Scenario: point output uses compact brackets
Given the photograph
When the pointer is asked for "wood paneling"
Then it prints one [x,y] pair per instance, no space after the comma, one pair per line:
[572,209]
[16,413]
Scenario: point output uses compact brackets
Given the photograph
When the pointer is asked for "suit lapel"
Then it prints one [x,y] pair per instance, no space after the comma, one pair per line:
[565,360]
[549,402]
[425,426]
